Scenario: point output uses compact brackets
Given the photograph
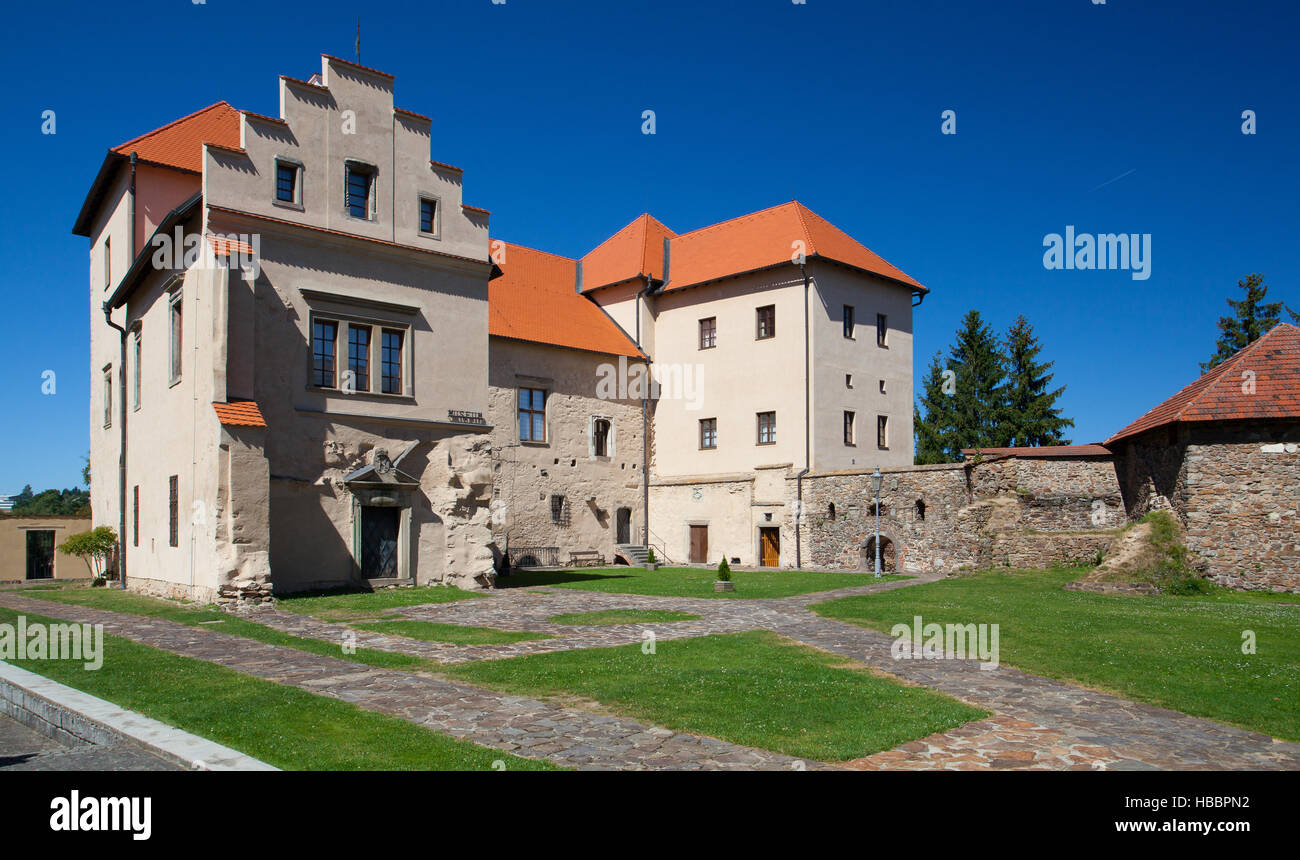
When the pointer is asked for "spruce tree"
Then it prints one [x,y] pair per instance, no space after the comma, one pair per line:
[934,429]
[978,408]
[1252,318]
[1032,416]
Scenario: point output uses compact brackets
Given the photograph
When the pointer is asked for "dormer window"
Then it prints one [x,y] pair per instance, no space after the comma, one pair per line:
[359,192]
[429,216]
[288,182]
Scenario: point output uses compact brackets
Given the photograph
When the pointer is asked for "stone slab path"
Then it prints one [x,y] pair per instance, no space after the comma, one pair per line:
[1036,723]
[516,724]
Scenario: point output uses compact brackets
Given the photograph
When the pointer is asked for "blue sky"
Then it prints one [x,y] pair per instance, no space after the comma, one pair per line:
[836,104]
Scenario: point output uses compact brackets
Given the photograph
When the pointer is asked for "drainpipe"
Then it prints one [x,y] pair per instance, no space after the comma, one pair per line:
[807,430]
[645,429]
[121,456]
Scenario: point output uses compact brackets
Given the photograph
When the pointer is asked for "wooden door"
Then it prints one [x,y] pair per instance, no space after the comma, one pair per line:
[699,544]
[769,541]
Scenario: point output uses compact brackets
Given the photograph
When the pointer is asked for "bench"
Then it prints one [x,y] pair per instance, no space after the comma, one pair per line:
[586,558]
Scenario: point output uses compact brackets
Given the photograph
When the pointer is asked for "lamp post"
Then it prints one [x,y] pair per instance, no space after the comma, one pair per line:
[876,478]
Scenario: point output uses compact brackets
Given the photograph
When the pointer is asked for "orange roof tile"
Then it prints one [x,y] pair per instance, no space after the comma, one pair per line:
[1032,451]
[635,251]
[767,238]
[534,300]
[1260,381]
[224,246]
[239,413]
[179,144]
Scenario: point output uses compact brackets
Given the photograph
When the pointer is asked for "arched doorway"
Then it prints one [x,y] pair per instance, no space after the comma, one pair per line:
[867,555]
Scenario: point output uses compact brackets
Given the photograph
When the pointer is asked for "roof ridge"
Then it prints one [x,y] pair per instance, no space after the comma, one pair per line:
[737,218]
[799,209]
[614,235]
[174,122]
[539,251]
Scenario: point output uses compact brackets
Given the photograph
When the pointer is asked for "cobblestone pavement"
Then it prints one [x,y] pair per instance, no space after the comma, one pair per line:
[23,749]
[1036,723]
[516,724]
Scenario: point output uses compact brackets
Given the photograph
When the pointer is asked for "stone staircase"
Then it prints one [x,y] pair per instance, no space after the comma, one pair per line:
[637,555]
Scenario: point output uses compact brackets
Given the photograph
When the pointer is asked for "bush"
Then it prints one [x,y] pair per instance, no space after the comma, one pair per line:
[650,555]
[94,547]
[724,571]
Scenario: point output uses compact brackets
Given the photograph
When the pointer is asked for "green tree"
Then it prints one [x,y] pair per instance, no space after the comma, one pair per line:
[935,442]
[978,407]
[94,547]
[1032,416]
[52,502]
[1252,318]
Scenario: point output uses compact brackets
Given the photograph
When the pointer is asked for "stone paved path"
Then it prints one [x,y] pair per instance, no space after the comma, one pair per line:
[516,724]
[1036,723]
[24,749]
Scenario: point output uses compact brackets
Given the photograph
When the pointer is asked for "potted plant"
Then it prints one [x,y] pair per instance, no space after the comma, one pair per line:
[723,582]
[651,563]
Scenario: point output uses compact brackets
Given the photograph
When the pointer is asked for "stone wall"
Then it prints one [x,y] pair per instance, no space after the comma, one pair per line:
[1018,512]
[1240,494]
[527,474]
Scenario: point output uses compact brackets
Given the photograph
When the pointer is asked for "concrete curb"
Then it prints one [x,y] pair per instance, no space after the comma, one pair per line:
[72,716]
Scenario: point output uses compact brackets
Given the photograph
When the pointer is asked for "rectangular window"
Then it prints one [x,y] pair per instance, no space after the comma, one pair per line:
[532,415]
[882,330]
[135,369]
[559,512]
[708,433]
[766,428]
[766,322]
[174,510]
[848,321]
[848,427]
[108,262]
[390,361]
[709,333]
[428,215]
[882,431]
[286,182]
[360,200]
[324,340]
[135,515]
[848,380]
[174,353]
[600,436]
[108,396]
[882,386]
[359,356]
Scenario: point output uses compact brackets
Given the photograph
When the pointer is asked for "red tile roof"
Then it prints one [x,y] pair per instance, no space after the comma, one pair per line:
[1260,381]
[635,251]
[535,300]
[179,144]
[764,239]
[239,413]
[1033,451]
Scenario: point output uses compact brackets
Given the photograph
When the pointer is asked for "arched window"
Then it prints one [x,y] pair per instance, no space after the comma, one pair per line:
[830,510]
[920,509]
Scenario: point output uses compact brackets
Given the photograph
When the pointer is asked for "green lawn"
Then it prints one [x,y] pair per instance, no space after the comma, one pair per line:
[603,617]
[750,688]
[459,634]
[283,726]
[1179,652]
[357,605]
[210,617]
[691,581]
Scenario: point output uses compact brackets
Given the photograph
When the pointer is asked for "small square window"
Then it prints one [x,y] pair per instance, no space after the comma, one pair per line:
[766,319]
[708,333]
[708,433]
[767,428]
[429,216]
[848,321]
